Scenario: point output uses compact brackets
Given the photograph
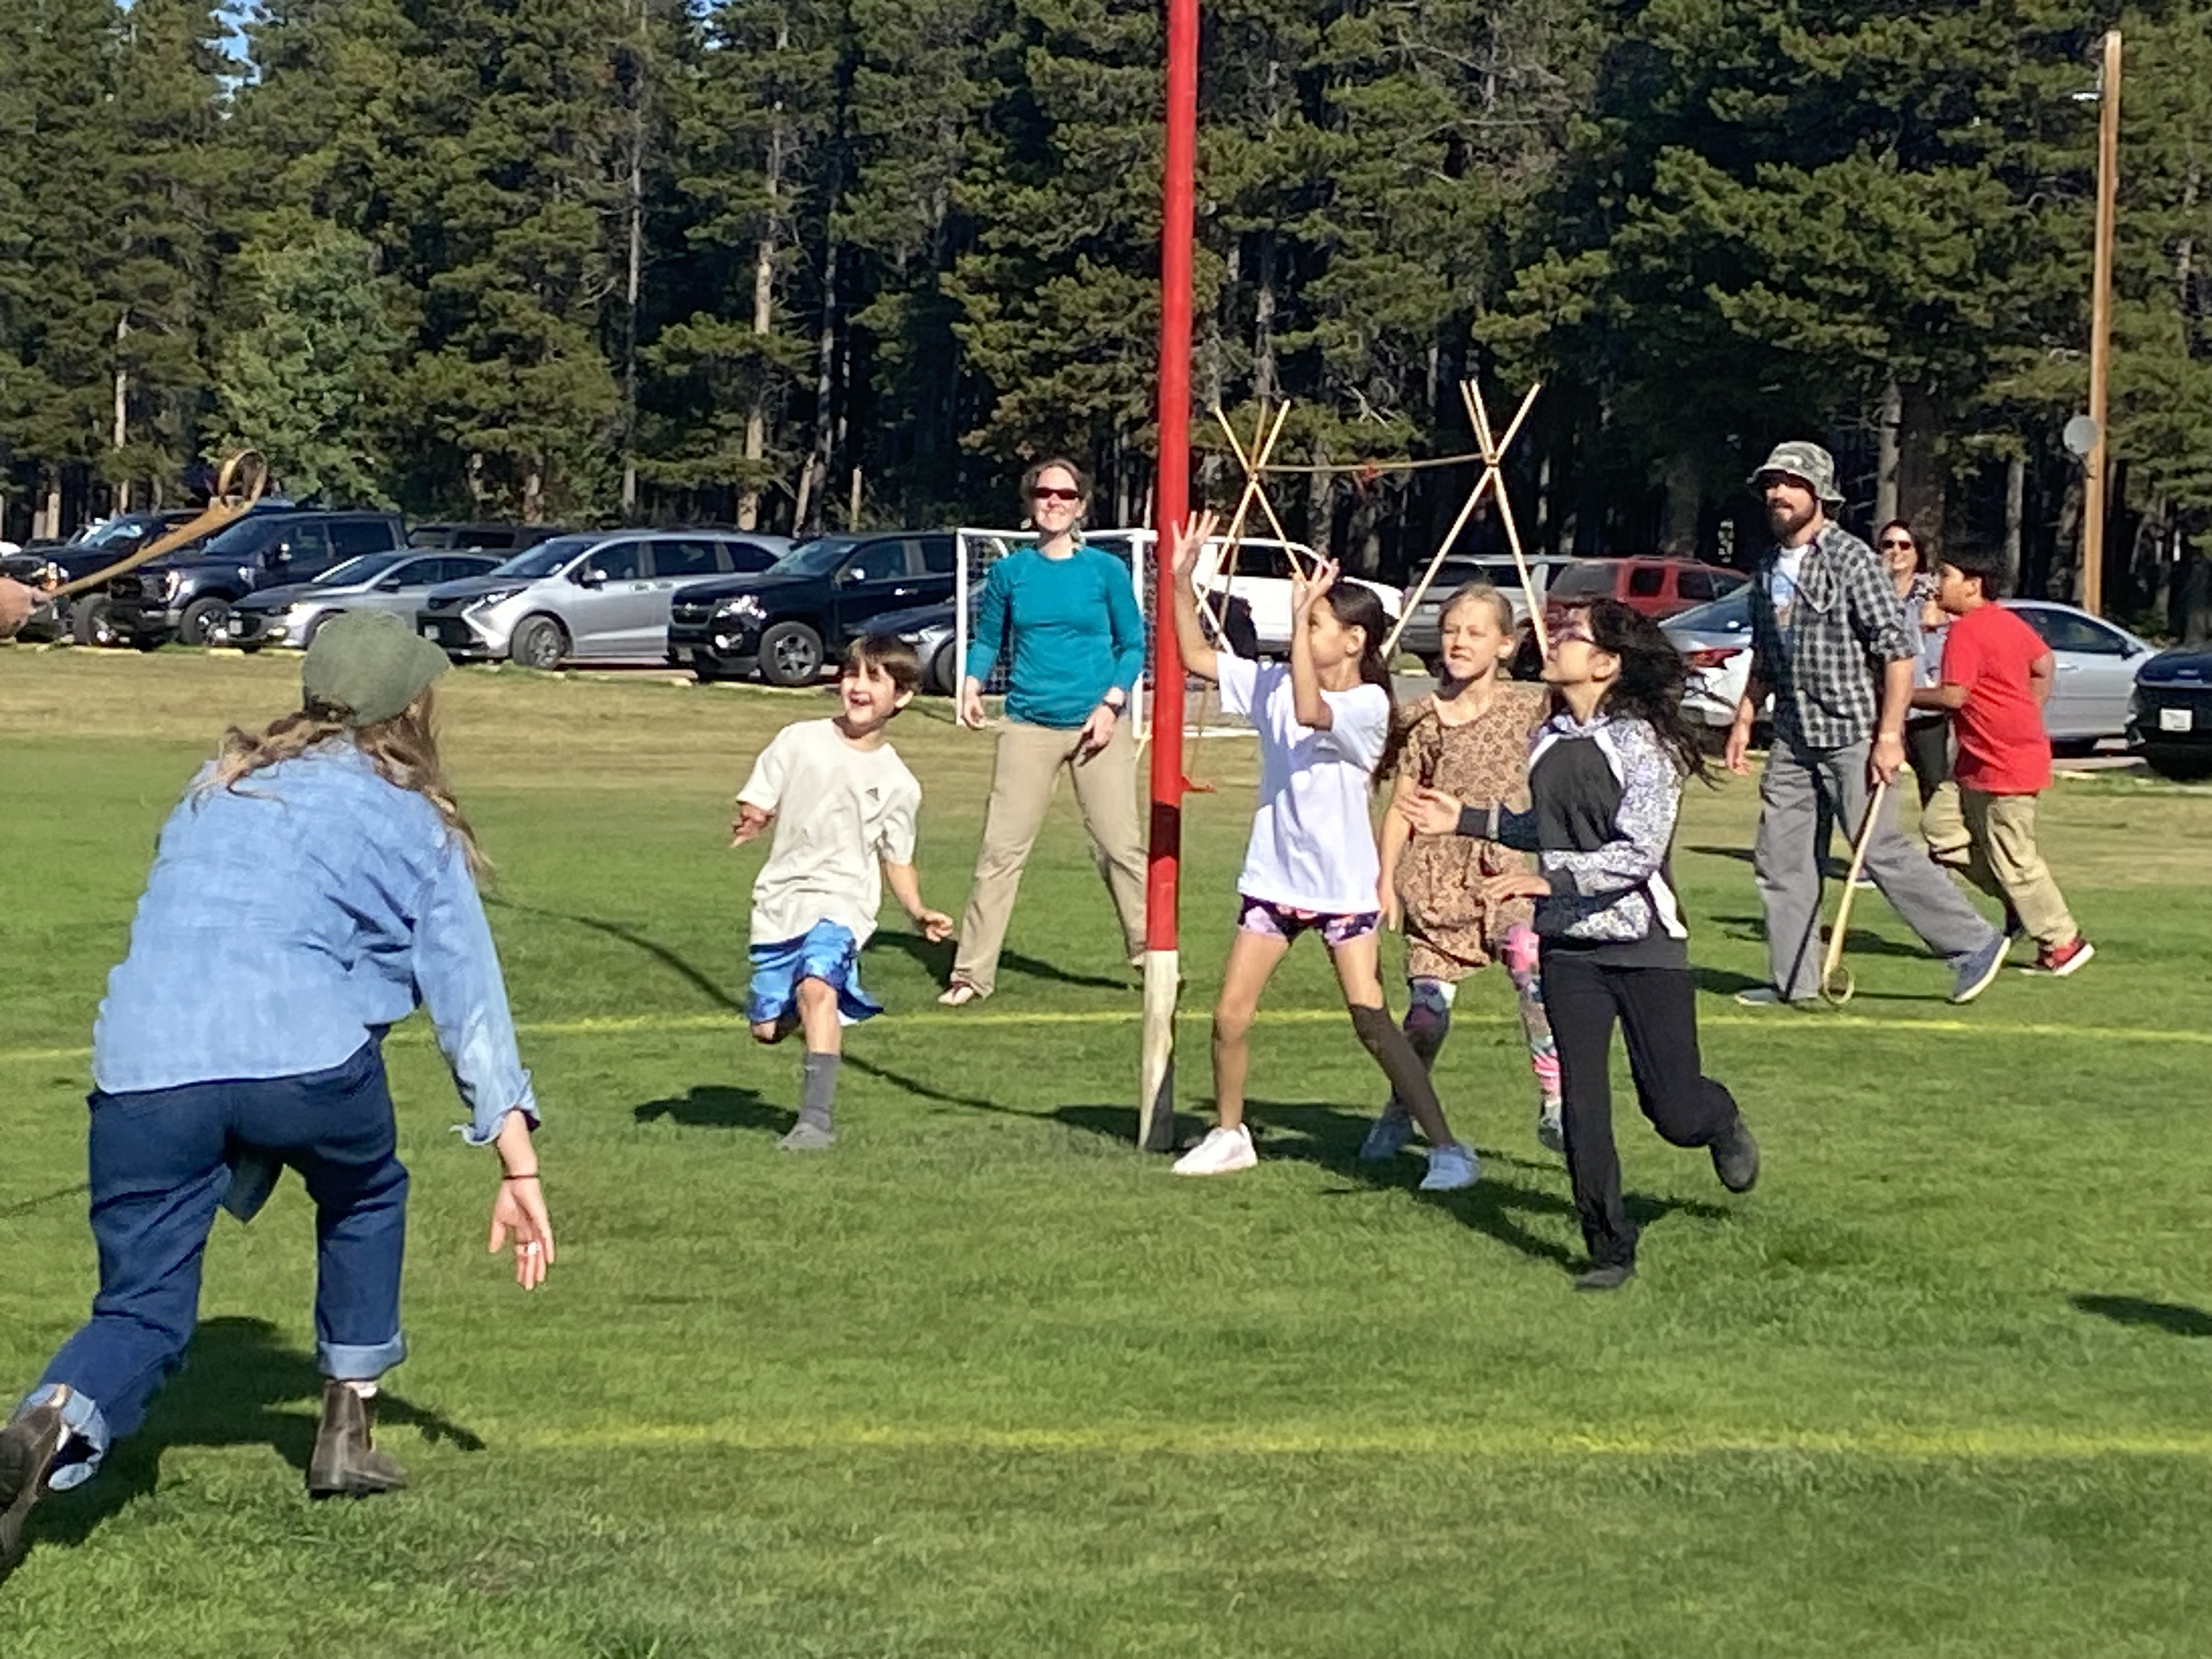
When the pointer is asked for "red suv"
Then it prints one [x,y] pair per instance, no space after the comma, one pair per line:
[1656,587]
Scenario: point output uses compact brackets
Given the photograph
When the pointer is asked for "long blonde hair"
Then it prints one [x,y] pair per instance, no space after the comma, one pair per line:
[403,750]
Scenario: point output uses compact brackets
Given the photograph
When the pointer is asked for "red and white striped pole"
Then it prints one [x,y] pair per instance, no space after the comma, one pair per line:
[1171,502]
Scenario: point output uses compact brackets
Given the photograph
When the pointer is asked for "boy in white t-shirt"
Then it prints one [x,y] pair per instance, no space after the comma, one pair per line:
[844,806]
[1311,864]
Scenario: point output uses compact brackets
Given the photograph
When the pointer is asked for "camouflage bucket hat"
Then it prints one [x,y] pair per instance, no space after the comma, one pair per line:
[1808,463]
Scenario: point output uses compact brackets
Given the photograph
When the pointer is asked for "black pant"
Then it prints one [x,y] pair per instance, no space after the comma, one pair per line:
[1657,1010]
[1927,750]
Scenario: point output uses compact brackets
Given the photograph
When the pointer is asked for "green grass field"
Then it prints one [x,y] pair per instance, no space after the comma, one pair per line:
[986,1380]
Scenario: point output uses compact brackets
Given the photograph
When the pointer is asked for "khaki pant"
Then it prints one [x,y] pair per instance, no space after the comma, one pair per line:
[1031,759]
[1991,840]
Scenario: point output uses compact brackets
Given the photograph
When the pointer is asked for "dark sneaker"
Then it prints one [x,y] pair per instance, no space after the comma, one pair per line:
[2058,960]
[1735,1158]
[1973,973]
[28,1447]
[1605,1276]
[345,1462]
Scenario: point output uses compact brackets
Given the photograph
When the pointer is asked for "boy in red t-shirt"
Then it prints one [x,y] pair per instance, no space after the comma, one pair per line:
[1997,677]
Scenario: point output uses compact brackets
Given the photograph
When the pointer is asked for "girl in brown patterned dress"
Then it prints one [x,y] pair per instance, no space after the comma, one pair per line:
[1470,739]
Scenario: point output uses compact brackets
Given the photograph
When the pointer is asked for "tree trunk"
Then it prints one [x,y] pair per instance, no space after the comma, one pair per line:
[764,299]
[2192,616]
[122,432]
[534,493]
[1267,381]
[1922,485]
[829,419]
[1685,502]
[2015,511]
[632,286]
[1887,420]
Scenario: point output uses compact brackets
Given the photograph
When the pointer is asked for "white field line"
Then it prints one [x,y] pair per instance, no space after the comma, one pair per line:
[732,1024]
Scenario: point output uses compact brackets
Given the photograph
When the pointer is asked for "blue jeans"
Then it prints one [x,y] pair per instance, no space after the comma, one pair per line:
[159,1168]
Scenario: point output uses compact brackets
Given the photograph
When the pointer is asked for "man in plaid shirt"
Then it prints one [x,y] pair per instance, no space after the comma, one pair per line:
[1828,640]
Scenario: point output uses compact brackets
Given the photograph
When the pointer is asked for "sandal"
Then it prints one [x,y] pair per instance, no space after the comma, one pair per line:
[959,994]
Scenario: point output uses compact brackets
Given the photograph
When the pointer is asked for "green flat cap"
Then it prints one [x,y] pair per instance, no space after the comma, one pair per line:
[369,665]
[1810,463]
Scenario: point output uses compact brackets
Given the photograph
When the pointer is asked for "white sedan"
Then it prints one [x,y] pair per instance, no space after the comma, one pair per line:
[2096,666]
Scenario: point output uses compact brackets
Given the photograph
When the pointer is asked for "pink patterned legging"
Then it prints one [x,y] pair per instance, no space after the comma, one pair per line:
[1428,1012]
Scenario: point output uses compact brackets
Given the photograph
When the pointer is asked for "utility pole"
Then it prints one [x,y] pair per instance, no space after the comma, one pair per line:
[2093,509]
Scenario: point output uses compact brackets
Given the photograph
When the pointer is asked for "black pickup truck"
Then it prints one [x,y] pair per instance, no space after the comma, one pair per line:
[188,596]
[787,623]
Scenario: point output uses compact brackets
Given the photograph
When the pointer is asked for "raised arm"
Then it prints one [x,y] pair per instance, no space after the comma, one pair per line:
[1199,657]
[1307,703]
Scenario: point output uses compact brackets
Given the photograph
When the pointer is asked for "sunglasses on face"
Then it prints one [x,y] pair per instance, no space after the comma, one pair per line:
[1045,493]
[1893,545]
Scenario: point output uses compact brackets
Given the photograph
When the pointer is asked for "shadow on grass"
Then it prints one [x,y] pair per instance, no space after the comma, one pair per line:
[1329,1137]
[241,1385]
[937,959]
[1861,944]
[2174,1318]
[717,1106]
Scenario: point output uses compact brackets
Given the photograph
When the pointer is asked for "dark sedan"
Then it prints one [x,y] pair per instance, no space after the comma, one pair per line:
[2170,718]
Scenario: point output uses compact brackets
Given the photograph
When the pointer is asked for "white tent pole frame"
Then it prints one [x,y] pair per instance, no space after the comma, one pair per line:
[1493,458]
[1493,455]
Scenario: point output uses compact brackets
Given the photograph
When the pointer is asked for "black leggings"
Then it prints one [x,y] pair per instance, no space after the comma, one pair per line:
[1928,751]
[1657,1008]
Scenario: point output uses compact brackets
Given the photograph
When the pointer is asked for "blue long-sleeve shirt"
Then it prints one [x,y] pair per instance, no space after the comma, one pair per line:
[1072,628]
[289,919]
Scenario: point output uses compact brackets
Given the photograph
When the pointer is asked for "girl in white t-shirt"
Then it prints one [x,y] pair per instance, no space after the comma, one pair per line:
[1311,864]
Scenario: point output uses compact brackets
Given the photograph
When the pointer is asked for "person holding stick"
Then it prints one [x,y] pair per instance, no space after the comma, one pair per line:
[1065,619]
[1823,615]
[317,883]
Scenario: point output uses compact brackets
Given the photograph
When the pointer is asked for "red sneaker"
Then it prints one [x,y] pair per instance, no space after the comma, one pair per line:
[2057,961]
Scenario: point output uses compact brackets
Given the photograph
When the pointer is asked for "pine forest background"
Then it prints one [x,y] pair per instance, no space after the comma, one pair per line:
[591,261]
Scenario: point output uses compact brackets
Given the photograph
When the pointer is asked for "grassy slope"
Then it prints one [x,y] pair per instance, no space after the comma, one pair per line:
[986,1381]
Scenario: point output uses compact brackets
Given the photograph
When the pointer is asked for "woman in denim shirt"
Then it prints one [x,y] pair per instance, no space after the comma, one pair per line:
[315,885]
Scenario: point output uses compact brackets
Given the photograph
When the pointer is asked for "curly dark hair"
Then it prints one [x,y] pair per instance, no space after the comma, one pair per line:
[1652,680]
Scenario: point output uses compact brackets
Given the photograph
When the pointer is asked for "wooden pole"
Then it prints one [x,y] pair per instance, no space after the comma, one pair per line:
[2092,595]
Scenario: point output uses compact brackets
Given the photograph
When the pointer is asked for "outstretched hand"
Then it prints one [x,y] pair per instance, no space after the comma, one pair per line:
[750,822]
[1306,587]
[1430,811]
[1190,539]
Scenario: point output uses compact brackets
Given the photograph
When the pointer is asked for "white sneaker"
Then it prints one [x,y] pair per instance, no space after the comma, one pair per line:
[1223,1151]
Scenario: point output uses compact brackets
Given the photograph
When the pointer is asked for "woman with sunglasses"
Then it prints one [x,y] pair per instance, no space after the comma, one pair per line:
[1063,619]
[1927,738]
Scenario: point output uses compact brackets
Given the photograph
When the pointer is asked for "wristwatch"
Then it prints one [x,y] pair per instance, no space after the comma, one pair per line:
[1116,699]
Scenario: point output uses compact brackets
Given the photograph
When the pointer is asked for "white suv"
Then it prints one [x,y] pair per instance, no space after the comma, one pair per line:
[1261,577]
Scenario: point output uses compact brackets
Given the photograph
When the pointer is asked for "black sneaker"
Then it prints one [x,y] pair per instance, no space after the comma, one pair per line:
[1605,1276]
[28,1447]
[1735,1157]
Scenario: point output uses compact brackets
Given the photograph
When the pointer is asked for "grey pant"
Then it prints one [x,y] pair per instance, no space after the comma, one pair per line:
[1799,792]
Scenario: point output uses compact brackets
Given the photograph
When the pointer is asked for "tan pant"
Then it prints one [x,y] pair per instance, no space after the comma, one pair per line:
[1991,840]
[1031,759]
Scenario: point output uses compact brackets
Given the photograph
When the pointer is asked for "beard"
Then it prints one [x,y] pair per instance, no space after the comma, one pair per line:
[1785,521]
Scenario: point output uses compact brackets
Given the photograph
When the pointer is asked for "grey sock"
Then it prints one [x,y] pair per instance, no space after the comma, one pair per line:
[817,1089]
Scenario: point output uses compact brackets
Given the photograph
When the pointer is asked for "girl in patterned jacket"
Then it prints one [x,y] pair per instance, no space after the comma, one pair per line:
[1605,782]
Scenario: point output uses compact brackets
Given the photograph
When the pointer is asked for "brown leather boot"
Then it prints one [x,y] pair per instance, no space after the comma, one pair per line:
[28,1447]
[345,1464]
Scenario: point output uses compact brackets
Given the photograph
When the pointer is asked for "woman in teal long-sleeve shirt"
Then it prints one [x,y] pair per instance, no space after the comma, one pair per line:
[1064,619]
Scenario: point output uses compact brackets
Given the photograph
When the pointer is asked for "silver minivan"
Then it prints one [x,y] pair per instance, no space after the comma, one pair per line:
[597,596]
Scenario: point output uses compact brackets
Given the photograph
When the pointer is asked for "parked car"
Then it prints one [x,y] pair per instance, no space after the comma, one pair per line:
[503,539]
[2096,666]
[600,597]
[785,624]
[932,631]
[2170,716]
[188,596]
[1659,587]
[1261,577]
[393,583]
[84,617]
[1423,631]
[1715,638]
